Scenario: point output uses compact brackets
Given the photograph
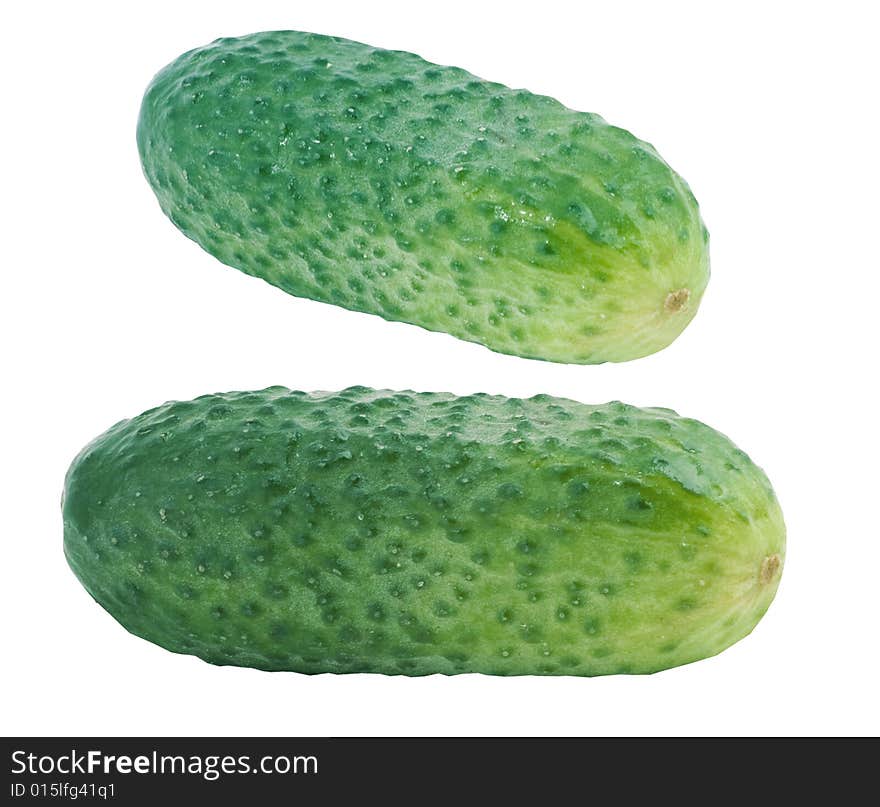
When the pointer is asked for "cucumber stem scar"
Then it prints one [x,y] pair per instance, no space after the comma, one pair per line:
[769,567]
[677,300]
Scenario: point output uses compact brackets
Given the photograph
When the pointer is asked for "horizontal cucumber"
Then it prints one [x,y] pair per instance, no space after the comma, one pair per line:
[416,533]
[377,181]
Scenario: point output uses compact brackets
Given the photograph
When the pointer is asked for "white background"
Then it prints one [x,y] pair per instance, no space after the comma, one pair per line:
[769,110]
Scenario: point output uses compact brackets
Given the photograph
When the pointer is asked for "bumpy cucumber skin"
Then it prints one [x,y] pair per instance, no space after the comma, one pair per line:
[417,533]
[377,181]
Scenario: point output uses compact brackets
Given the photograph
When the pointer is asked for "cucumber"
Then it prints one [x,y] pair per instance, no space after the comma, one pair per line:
[416,533]
[379,182]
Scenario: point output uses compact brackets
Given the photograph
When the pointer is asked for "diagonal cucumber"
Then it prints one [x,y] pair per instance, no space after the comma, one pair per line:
[377,181]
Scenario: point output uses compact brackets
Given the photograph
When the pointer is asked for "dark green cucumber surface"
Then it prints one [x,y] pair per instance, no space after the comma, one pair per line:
[416,533]
[377,181]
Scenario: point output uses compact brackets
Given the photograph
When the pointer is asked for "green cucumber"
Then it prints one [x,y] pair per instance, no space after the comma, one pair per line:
[416,533]
[374,180]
